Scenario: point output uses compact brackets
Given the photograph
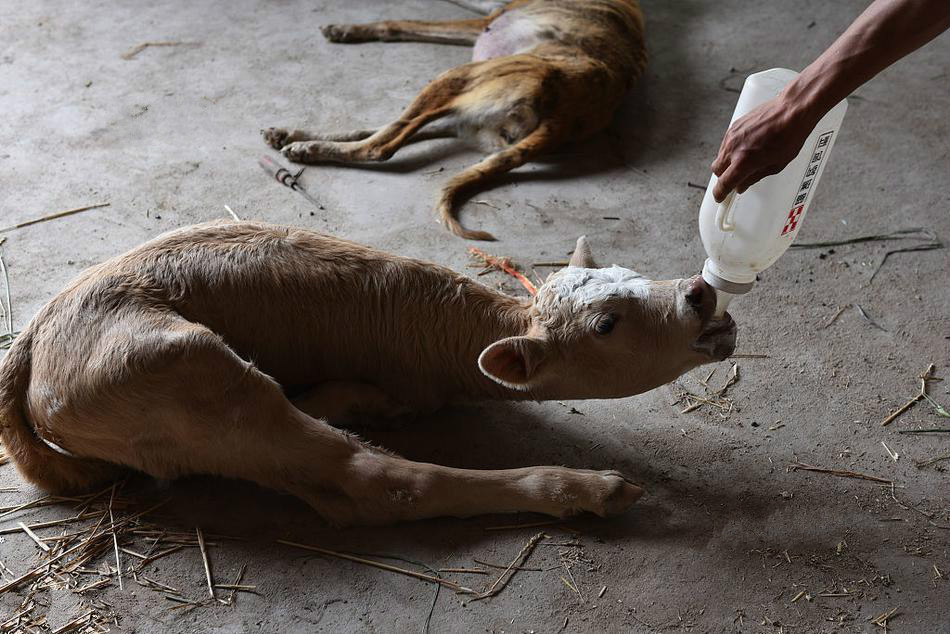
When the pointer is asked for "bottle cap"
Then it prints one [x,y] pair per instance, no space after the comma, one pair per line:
[712,276]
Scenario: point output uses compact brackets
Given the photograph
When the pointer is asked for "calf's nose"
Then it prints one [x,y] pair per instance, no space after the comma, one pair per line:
[697,291]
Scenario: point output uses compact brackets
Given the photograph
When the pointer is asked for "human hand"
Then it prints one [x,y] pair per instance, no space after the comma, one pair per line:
[759,144]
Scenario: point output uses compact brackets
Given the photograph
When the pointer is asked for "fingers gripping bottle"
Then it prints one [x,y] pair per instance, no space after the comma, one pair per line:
[748,232]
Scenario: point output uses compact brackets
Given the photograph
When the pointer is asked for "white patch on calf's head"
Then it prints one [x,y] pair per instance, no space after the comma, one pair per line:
[583,286]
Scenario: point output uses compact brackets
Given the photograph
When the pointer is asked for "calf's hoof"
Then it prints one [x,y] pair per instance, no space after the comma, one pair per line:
[615,495]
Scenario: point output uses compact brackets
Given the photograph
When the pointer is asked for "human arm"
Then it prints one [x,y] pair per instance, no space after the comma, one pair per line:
[767,138]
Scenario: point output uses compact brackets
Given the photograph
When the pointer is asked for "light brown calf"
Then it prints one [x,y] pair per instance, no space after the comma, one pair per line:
[178,358]
[543,72]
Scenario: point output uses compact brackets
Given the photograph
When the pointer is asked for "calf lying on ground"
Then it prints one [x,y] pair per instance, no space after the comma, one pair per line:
[176,359]
[543,72]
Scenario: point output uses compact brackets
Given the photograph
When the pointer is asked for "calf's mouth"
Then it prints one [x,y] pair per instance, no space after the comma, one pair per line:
[718,338]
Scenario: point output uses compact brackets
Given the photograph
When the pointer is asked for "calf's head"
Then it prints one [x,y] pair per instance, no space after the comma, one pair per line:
[610,332]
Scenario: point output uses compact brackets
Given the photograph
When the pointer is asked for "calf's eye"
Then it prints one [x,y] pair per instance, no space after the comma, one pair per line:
[605,324]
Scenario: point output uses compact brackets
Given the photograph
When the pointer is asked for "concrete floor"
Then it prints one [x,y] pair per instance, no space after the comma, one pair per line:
[727,536]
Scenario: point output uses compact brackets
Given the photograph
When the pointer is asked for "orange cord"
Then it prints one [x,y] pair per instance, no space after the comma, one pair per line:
[504,264]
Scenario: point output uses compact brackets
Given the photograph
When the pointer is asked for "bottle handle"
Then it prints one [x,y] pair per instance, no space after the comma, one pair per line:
[724,213]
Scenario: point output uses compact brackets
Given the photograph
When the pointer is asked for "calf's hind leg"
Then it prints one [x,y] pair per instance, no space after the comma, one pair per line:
[210,412]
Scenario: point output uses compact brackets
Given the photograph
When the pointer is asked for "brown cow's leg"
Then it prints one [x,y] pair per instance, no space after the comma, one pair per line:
[279,137]
[434,102]
[463,32]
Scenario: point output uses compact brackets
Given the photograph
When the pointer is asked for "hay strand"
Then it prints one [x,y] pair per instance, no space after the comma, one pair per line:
[377,564]
[53,216]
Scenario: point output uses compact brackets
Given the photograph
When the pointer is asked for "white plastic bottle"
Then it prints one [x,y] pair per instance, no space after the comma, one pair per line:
[748,232]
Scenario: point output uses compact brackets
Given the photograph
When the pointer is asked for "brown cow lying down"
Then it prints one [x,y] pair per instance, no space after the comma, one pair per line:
[543,72]
[174,359]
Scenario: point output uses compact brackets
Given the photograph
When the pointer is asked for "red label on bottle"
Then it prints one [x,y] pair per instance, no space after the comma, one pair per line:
[792,221]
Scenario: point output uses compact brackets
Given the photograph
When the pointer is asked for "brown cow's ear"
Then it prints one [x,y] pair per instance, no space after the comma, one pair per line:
[582,256]
[513,362]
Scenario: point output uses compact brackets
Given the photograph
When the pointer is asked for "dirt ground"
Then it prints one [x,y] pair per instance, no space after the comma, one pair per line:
[729,537]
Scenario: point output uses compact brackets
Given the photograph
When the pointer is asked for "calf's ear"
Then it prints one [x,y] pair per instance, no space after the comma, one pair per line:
[513,361]
[582,256]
